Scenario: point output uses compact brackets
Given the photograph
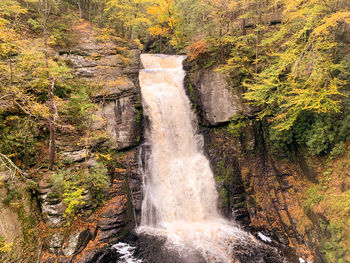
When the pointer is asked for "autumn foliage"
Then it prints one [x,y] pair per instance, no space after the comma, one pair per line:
[197,48]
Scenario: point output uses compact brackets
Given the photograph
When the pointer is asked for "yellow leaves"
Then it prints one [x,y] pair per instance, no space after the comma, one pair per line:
[157,30]
[104,35]
[8,38]
[164,16]
[107,157]
[6,247]
[11,7]
[119,170]
[8,35]
[332,21]
[220,7]
[119,82]
[303,75]
[38,109]
[129,13]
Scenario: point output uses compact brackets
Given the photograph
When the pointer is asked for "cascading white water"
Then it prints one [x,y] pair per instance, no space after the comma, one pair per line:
[180,198]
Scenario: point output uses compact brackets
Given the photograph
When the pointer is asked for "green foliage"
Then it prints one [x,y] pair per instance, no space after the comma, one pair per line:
[313,197]
[34,24]
[13,193]
[224,178]
[337,150]
[60,29]
[237,125]
[14,135]
[70,185]
[320,137]
[320,134]
[305,73]
[79,106]
[57,181]
[332,248]
[98,182]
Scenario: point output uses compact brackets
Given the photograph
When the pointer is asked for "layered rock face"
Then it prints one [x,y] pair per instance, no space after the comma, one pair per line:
[115,130]
[217,102]
[115,72]
[257,190]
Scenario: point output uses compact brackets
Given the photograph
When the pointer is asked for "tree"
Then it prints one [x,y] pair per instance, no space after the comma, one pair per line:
[45,9]
[303,72]
[128,16]
[30,75]
[164,18]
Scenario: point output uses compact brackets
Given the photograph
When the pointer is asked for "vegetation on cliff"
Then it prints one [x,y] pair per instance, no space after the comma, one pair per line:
[290,57]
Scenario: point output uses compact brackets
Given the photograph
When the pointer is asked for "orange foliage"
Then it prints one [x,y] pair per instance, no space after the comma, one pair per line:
[197,48]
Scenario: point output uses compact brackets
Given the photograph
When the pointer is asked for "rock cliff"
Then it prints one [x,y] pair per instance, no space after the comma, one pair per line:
[259,190]
[256,189]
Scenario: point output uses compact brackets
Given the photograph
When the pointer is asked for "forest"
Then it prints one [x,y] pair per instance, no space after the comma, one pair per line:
[290,59]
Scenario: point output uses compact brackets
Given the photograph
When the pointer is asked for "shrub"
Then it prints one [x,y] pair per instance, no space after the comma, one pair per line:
[71,184]
[14,132]
[78,106]
[13,193]
[73,198]
[320,137]
[313,197]
[98,181]
[57,181]
[237,125]
[337,150]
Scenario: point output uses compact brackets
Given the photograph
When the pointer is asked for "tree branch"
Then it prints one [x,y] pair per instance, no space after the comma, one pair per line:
[10,166]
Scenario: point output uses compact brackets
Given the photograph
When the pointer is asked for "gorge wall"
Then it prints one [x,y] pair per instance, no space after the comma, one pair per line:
[256,189]
[261,191]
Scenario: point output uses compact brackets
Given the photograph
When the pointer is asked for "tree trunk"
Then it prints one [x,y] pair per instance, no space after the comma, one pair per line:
[80,10]
[160,44]
[26,154]
[51,87]
[52,125]
[257,51]
[244,31]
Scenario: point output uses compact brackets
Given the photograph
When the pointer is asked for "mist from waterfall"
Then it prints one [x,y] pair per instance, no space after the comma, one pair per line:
[180,198]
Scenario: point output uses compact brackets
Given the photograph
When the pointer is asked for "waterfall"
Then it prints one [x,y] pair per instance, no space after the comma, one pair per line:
[180,198]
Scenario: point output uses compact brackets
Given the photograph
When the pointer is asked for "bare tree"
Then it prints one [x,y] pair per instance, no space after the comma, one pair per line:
[46,7]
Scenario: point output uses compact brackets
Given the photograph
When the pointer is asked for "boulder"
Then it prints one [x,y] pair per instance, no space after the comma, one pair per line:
[219,102]
[77,242]
[55,243]
[74,156]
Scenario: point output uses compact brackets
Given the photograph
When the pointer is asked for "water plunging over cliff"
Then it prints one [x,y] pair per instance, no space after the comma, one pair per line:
[180,198]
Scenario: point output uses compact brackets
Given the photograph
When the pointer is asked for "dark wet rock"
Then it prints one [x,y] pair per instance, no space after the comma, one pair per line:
[106,255]
[258,253]
[112,222]
[152,249]
[77,242]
